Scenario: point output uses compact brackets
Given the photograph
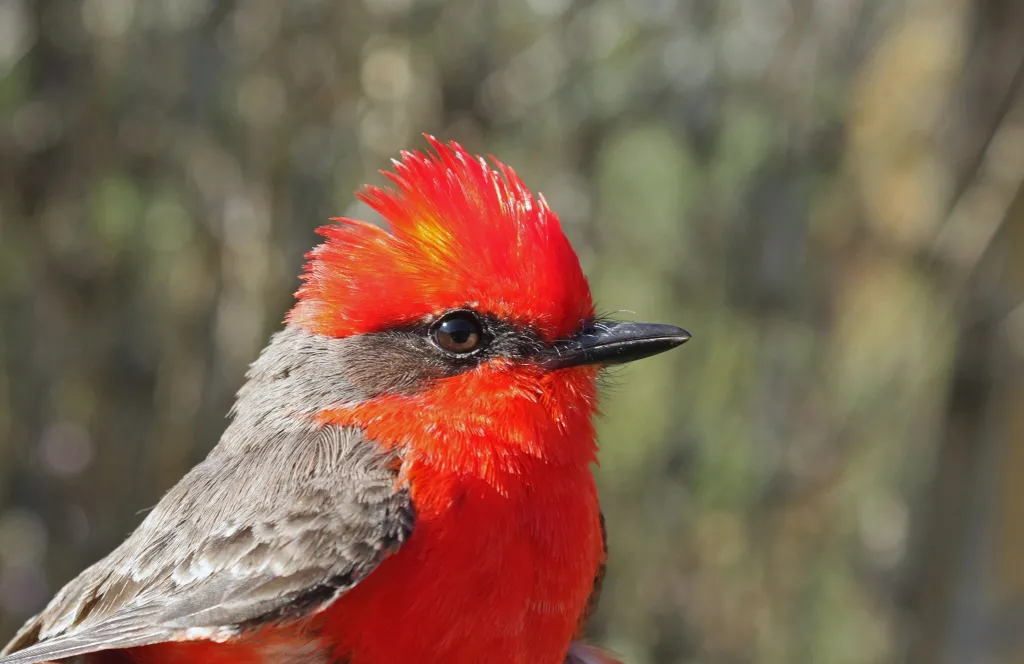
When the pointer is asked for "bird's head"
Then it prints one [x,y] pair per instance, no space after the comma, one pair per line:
[467,325]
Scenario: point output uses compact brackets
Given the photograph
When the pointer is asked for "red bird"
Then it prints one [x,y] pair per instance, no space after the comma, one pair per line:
[407,475]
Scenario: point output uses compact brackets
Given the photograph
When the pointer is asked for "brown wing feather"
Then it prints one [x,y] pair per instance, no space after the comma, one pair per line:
[579,652]
[254,533]
[595,593]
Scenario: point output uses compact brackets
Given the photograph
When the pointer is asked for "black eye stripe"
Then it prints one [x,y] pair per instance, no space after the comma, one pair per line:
[414,358]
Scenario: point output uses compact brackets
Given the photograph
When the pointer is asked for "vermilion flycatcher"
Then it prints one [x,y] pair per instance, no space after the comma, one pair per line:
[407,476]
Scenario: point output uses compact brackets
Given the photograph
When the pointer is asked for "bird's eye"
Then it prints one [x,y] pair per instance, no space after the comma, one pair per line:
[458,332]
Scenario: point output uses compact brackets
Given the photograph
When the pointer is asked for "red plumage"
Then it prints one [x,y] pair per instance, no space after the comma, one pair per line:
[460,234]
[498,459]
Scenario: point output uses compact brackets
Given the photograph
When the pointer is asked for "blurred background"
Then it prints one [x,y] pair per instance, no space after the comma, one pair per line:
[827,193]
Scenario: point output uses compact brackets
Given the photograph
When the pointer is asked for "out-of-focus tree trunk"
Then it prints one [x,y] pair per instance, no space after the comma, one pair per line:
[965,596]
[1007,539]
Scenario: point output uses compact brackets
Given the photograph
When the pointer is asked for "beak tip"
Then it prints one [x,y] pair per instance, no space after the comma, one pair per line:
[672,337]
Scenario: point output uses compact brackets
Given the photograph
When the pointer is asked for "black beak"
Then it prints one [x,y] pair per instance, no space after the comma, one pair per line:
[614,343]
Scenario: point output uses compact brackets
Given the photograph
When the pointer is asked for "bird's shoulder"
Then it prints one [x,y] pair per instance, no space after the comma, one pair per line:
[254,533]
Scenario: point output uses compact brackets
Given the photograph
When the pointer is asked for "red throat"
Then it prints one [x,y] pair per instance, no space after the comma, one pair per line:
[500,423]
[461,234]
[507,540]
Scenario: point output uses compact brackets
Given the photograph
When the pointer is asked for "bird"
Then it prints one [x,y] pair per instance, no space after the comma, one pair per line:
[407,475]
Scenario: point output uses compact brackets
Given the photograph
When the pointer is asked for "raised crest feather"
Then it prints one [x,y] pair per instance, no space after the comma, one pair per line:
[461,233]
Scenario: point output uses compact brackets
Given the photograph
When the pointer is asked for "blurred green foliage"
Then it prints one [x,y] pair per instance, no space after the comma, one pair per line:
[826,193]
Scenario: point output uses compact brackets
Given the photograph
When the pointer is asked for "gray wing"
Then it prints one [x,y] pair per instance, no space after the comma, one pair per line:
[253,533]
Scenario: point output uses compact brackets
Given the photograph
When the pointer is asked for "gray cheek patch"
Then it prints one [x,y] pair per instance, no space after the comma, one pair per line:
[393,363]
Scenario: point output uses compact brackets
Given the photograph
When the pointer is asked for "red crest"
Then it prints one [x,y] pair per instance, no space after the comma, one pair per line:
[461,234]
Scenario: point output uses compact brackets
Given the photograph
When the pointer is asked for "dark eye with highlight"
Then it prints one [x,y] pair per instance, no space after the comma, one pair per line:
[458,332]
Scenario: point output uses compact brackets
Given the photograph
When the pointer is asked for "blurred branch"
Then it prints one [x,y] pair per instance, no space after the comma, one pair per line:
[995,169]
[982,206]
